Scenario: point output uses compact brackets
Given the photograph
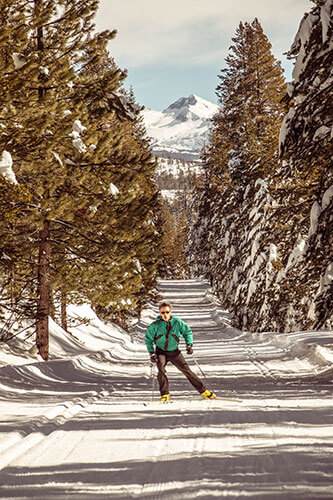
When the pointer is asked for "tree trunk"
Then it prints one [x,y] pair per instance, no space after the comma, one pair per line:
[63,311]
[43,302]
[43,290]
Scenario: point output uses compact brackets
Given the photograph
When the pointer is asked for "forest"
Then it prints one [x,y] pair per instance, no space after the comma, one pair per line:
[78,202]
[81,213]
[263,232]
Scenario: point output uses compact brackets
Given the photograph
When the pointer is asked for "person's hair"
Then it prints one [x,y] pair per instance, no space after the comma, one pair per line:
[165,304]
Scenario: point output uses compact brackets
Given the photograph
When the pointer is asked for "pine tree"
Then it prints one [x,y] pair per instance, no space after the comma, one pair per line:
[241,155]
[306,147]
[12,199]
[39,87]
[124,211]
[176,186]
[72,136]
[173,242]
[271,223]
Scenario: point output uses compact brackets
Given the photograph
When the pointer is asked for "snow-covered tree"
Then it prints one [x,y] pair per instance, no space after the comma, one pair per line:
[306,181]
[270,225]
[240,157]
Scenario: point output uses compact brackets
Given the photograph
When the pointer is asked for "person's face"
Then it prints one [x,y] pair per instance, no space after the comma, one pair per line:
[165,312]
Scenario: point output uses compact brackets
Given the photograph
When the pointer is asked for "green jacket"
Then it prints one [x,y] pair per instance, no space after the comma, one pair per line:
[167,334]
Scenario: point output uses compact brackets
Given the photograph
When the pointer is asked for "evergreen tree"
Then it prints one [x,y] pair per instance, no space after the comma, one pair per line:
[270,223]
[176,179]
[173,243]
[241,156]
[39,85]
[12,199]
[306,147]
[72,135]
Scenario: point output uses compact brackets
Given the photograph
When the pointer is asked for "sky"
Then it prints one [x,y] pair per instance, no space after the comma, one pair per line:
[174,48]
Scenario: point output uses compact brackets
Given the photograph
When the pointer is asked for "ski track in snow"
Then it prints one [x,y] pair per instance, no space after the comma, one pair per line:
[86,427]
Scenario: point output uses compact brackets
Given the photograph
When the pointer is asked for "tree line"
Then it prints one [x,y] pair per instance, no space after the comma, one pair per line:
[80,220]
[263,232]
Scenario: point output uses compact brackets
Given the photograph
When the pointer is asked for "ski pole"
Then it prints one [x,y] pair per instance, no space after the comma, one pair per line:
[152,374]
[204,376]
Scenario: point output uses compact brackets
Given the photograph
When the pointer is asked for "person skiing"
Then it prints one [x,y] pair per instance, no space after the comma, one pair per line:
[165,332]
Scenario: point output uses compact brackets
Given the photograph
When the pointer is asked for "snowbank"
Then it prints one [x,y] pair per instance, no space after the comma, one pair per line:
[96,336]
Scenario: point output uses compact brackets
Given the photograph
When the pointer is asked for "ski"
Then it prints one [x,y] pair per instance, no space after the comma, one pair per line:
[174,401]
[146,403]
[230,400]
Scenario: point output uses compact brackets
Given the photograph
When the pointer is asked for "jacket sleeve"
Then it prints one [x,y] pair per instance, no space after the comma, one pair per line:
[187,333]
[149,338]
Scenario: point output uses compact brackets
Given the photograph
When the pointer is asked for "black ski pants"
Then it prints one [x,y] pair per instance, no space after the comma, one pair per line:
[178,360]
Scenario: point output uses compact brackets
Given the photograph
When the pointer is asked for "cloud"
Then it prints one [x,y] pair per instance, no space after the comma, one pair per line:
[191,32]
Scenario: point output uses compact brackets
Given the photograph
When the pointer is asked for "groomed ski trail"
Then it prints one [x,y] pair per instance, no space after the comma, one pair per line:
[272,440]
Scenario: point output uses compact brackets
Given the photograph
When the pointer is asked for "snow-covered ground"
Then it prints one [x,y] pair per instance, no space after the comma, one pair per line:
[84,426]
[176,167]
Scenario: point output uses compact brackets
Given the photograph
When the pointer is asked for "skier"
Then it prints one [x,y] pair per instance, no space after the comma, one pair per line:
[166,333]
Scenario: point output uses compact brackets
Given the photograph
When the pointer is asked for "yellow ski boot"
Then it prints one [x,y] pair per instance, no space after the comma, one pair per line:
[208,395]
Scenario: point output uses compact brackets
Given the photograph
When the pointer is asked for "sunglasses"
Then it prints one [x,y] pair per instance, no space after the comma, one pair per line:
[165,312]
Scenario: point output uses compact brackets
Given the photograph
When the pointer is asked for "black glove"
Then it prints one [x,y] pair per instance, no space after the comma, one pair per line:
[189,349]
[153,357]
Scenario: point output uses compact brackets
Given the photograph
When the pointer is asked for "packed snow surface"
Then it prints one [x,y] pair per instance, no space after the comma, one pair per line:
[87,424]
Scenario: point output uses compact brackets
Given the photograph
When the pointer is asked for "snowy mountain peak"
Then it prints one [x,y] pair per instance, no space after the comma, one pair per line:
[183,101]
[191,108]
[182,128]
